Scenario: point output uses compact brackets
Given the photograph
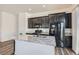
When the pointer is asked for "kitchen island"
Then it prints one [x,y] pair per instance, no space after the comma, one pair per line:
[42,45]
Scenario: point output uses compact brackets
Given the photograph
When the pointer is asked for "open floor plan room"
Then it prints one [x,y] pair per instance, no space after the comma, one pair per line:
[39,29]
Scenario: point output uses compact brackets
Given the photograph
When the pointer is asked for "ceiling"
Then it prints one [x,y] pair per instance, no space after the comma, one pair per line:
[32,8]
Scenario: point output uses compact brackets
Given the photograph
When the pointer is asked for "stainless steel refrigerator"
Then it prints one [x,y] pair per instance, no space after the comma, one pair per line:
[58,26]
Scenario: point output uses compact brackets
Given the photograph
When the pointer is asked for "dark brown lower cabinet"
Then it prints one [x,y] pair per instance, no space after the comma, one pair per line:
[68,41]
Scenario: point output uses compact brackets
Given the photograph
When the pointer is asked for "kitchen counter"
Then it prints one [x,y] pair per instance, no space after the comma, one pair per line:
[66,34]
[46,40]
[45,34]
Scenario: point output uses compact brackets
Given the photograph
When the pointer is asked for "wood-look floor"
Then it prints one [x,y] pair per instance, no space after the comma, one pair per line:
[64,51]
[7,48]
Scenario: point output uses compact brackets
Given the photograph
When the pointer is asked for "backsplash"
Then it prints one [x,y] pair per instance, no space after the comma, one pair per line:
[67,30]
[45,30]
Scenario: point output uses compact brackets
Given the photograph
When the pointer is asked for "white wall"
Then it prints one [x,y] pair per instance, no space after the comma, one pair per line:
[27,15]
[8,26]
[75,29]
[21,23]
[0,26]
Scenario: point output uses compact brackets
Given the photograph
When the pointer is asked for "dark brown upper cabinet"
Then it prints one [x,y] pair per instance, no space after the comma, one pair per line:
[41,22]
[68,20]
[45,22]
[52,19]
[57,17]
[36,22]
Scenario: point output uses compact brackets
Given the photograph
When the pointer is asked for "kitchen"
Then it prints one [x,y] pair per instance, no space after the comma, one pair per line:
[41,23]
[39,31]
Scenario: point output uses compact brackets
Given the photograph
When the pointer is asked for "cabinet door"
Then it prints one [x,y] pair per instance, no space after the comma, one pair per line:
[52,18]
[68,41]
[36,22]
[68,20]
[56,17]
[39,21]
[45,22]
[61,17]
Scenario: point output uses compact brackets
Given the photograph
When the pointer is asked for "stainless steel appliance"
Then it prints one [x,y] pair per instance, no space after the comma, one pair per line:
[57,28]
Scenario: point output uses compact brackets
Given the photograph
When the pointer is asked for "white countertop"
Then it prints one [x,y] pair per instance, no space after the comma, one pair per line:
[47,40]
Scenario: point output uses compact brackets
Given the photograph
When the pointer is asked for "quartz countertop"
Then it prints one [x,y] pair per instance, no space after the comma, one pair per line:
[47,40]
[46,34]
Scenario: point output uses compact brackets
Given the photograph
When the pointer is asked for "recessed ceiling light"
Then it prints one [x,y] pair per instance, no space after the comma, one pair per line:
[29,9]
[44,5]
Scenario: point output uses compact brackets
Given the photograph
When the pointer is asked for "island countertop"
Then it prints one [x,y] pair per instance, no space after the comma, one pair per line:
[47,40]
